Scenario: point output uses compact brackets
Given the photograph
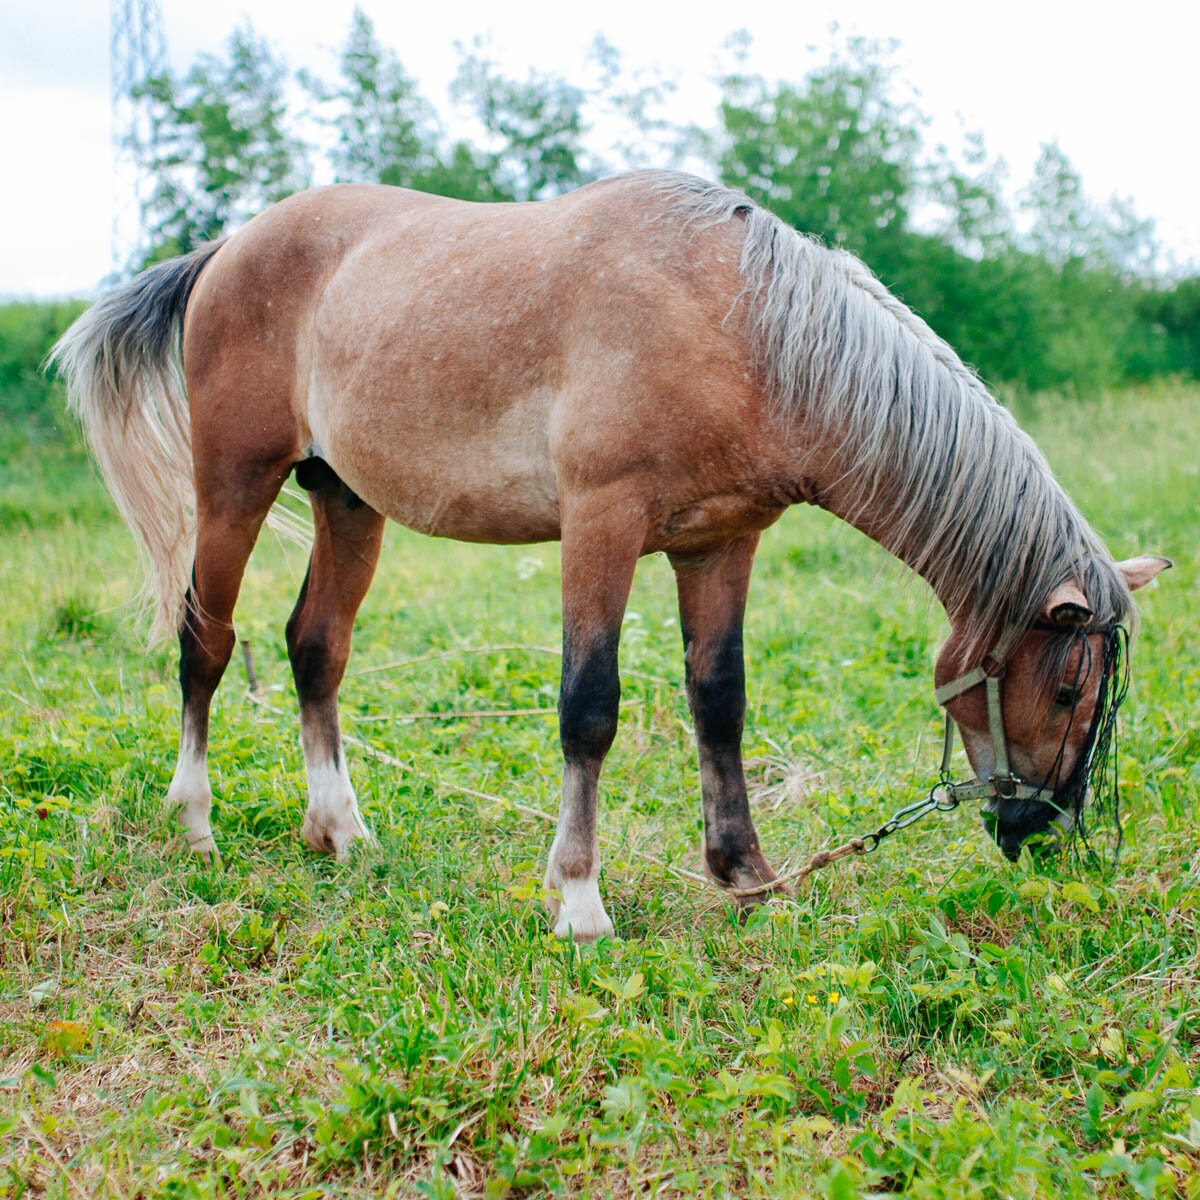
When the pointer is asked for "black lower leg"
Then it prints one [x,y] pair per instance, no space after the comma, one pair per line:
[589,697]
[712,594]
[716,689]
[205,646]
[588,704]
[317,676]
[346,543]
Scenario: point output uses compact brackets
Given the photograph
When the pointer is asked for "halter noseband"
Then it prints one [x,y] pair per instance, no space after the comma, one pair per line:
[1003,784]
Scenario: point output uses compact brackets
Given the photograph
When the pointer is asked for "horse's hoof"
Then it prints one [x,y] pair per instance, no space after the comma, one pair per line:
[335,833]
[580,914]
[192,814]
[748,885]
[586,935]
[205,849]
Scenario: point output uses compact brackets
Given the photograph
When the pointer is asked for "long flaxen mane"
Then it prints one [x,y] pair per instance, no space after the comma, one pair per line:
[973,505]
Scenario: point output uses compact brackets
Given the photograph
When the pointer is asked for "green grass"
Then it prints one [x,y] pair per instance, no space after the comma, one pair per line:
[928,1020]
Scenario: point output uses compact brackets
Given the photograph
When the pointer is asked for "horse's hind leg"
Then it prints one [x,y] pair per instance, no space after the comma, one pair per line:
[712,600]
[229,516]
[346,542]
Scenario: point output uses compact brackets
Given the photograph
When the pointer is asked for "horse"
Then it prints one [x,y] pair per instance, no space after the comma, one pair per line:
[650,363]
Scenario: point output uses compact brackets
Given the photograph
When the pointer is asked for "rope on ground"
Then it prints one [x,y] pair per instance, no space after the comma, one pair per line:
[821,859]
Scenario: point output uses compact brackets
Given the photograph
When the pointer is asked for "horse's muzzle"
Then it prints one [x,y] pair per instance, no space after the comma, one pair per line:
[1016,821]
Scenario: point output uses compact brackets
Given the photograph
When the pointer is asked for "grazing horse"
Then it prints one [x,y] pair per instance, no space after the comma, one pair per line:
[650,363]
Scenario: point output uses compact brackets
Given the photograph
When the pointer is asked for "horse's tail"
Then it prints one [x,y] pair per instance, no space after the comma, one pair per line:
[122,362]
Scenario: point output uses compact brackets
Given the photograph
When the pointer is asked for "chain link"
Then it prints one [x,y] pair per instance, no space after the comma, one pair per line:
[941,798]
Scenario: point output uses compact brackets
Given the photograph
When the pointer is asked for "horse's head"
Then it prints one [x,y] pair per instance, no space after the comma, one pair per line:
[1037,719]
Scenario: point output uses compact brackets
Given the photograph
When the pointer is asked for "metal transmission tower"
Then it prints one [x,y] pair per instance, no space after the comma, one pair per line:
[137,52]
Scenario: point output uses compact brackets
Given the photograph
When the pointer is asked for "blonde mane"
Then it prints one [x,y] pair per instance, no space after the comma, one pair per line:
[973,504]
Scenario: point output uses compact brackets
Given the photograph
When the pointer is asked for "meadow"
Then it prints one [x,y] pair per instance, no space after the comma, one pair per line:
[928,1020]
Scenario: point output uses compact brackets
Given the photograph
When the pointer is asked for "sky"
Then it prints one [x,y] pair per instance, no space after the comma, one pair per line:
[1113,84]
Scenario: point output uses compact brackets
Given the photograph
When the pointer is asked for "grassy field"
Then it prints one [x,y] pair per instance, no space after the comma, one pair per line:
[929,1020]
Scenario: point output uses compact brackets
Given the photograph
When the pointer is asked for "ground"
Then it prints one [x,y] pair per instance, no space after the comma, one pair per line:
[928,1019]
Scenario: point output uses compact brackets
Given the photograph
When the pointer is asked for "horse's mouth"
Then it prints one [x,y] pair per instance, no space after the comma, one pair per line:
[1040,823]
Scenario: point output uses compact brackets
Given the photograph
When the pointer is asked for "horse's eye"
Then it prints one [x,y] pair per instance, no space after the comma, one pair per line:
[1067,697]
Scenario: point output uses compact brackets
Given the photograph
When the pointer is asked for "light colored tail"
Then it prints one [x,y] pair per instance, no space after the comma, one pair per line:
[122,364]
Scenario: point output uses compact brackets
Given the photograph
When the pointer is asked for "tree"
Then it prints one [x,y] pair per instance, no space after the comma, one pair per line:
[387,132]
[835,156]
[628,111]
[1170,325]
[1061,295]
[225,148]
[1062,229]
[1090,260]
[533,129]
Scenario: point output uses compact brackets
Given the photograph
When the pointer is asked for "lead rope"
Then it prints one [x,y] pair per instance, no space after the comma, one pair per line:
[868,843]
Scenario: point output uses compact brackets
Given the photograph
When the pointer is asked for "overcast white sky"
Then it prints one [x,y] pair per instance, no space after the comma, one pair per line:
[1115,84]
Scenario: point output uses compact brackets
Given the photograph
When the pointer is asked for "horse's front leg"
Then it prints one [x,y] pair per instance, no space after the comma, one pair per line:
[712,600]
[601,543]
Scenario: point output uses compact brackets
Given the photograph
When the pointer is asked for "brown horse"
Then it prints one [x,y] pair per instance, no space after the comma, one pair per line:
[651,363]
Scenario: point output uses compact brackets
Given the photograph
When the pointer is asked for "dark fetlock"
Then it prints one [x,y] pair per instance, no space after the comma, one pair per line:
[742,871]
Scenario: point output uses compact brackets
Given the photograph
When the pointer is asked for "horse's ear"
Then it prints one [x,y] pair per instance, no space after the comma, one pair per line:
[1067,605]
[1142,570]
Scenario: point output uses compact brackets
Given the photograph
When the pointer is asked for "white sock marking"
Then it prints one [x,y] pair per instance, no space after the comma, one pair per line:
[581,913]
[332,821]
[191,794]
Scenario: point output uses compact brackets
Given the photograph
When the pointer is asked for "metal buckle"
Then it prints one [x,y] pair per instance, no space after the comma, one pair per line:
[1005,786]
[999,669]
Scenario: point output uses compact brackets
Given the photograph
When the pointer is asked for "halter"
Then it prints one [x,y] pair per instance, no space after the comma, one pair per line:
[1096,768]
[1002,784]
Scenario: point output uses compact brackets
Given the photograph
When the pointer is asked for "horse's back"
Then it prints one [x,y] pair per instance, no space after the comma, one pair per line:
[458,363]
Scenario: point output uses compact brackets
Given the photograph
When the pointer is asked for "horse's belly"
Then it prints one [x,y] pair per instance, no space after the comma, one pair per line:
[512,510]
[494,483]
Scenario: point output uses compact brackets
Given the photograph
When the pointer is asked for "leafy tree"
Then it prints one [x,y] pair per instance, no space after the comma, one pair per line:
[1062,229]
[1166,338]
[836,156]
[970,193]
[839,156]
[1057,304]
[1058,294]
[224,147]
[464,173]
[630,110]
[1088,259]
[29,401]
[533,129]
[387,132]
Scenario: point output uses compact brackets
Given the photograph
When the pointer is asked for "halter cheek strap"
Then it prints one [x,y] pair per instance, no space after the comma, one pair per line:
[1003,784]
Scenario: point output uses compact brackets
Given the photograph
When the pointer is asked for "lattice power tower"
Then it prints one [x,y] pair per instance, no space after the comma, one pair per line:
[137,52]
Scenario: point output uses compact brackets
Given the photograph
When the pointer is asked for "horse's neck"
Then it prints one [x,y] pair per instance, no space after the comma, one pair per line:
[824,481]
